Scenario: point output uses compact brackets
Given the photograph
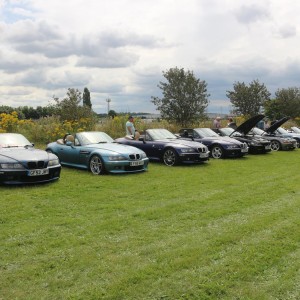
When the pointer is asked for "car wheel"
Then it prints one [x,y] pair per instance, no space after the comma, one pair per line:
[275,145]
[170,157]
[96,165]
[217,152]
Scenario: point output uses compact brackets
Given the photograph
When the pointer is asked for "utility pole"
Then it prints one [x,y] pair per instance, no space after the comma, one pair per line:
[108,105]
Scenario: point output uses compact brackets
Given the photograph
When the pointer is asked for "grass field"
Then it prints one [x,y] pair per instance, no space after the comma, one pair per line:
[227,229]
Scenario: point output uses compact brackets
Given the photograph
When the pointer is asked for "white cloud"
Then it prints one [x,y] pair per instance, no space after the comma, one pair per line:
[119,48]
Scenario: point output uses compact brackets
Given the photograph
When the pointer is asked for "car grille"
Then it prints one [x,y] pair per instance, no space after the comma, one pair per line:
[40,164]
[202,150]
[135,156]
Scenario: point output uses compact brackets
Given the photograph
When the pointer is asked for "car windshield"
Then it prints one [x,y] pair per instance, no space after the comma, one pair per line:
[206,132]
[94,137]
[295,129]
[160,134]
[227,131]
[8,140]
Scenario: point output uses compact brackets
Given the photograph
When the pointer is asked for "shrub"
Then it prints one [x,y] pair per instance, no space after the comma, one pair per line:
[9,122]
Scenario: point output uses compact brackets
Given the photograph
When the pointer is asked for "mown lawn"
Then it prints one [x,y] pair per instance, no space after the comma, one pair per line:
[227,229]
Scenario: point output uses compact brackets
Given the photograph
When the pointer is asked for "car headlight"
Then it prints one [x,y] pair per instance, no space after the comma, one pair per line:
[53,162]
[286,141]
[117,157]
[230,147]
[12,166]
[254,143]
[187,150]
[143,155]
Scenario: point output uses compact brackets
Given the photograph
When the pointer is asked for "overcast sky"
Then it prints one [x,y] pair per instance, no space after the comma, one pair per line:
[118,49]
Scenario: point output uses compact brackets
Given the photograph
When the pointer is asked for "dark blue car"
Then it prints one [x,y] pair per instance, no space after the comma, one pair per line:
[220,147]
[162,145]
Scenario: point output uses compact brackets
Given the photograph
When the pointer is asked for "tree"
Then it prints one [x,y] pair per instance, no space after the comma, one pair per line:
[87,98]
[184,97]
[112,114]
[272,109]
[248,100]
[6,109]
[70,109]
[286,103]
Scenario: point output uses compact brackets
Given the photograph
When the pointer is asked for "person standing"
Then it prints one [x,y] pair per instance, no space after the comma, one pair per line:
[231,123]
[217,122]
[130,129]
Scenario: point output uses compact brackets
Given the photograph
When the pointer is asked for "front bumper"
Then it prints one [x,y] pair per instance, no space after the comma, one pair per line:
[289,146]
[234,153]
[16,177]
[126,166]
[193,157]
[259,148]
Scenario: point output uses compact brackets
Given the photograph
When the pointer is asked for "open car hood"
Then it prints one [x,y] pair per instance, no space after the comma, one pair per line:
[245,127]
[277,124]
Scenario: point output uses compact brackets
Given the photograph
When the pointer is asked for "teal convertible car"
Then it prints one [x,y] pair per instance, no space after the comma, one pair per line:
[96,151]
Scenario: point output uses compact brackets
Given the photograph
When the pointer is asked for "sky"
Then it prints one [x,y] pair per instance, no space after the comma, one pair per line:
[119,49]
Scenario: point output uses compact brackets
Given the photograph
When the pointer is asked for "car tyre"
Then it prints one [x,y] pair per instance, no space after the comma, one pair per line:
[170,157]
[217,152]
[275,145]
[96,165]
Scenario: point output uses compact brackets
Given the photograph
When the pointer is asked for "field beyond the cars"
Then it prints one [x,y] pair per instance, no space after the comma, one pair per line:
[226,229]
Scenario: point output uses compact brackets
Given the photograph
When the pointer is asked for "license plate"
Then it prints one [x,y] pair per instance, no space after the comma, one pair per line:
[136,163]
[203,155]
[244,150]
[38,172]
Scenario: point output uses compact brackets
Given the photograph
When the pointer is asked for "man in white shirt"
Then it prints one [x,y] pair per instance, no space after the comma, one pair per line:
[130,129]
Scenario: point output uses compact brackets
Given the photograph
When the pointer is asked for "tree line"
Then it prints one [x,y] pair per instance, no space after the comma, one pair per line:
[184,101]
[74,106]
[185,98]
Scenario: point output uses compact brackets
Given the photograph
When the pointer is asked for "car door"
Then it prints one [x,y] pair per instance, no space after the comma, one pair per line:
[153,149]
[74,155]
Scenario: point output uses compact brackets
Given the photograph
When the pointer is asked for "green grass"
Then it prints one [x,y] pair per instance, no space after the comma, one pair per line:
[227,229]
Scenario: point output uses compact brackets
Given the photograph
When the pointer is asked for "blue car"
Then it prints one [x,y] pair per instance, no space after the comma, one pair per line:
[162,145]
[21,163]
[96,151]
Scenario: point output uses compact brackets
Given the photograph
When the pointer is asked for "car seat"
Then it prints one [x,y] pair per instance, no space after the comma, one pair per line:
[70,138]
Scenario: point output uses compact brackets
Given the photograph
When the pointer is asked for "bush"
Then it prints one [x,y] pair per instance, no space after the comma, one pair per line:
[9,122]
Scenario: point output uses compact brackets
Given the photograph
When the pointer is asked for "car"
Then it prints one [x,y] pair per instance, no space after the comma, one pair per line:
[256,144]
[284,133]
[96,151]
[21,163]
[278,142]
[162,145]
[219,147]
